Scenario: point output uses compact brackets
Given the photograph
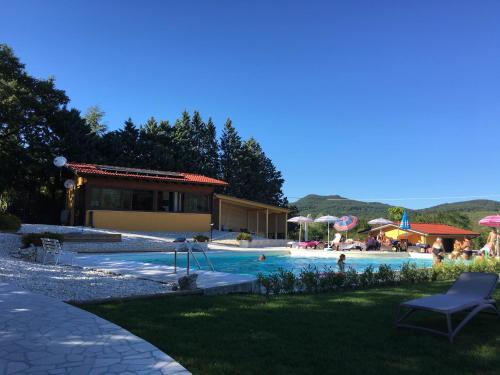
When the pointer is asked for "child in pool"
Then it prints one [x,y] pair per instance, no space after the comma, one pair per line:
[341,263]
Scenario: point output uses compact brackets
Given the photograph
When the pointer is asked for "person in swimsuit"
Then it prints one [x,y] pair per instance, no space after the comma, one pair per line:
[466,250]
[438,250]
[492,239]
[457,250]
[341,263]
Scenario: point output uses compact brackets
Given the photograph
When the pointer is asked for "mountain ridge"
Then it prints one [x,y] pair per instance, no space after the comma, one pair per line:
[335,204]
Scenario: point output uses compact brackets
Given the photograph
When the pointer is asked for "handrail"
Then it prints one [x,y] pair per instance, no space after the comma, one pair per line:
[190,251]
[208,260]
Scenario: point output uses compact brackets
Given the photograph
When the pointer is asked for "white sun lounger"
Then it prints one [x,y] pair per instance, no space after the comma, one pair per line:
[471,292]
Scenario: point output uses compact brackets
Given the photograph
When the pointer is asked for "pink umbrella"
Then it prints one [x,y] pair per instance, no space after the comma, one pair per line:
[492,221]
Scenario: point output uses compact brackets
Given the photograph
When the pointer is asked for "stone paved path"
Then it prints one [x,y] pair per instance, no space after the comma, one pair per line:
[41,335]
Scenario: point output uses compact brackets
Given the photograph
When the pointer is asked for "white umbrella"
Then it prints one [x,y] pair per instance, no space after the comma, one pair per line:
[300,220]
[327,219]
[380,221]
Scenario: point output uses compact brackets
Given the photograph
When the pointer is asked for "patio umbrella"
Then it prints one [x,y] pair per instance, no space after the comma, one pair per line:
[345,223]
[494,222]
[300,220]
[380,221]
[327,219]
[405,222]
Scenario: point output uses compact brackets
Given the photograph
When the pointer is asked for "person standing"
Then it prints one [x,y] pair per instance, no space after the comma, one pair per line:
[438,250]
[466,250]
[341,263]
[492,240]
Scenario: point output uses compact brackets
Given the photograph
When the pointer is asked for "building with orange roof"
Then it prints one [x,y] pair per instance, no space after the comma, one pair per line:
[120,198]
[426,233]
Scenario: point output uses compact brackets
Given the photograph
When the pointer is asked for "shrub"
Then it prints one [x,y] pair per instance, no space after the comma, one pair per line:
[351,278]
[200,238]
[309,279]
[9,222]
[265,282]
[410,273]
[331,280]
[367,277]
[35,239]
[288,281]
[244,236]
[385,275]
[275,282]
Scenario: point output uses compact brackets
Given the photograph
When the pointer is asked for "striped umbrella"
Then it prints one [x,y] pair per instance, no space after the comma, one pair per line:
[346,223]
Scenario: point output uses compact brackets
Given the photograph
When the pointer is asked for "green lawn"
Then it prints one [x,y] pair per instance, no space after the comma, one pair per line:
[346,333]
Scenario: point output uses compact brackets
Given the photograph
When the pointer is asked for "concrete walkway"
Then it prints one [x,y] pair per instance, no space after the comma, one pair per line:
[41,335]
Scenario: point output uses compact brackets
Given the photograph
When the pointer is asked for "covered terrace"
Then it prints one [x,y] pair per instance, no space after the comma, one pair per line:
[236,214]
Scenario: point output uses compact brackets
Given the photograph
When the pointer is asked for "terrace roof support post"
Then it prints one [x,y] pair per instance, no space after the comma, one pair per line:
[257,231]
[286,226]
[267,223]
[220,214]
[275,226]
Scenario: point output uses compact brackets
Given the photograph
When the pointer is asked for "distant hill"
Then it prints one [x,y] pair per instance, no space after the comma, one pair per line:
[467,206]
[337,205]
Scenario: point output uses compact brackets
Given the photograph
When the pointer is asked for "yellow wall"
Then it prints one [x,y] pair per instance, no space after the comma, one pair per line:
[412,237]
[150,221]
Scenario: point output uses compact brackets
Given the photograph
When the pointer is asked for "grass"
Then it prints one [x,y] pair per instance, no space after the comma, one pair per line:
[343,333]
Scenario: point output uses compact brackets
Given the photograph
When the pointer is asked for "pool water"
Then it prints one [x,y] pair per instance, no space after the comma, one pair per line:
[248,263]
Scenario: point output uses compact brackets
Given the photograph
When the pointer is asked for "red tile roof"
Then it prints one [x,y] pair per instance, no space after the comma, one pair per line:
[439,229]
[142,174]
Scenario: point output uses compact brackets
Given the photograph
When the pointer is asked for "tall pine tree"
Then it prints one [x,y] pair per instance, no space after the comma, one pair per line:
[231,153]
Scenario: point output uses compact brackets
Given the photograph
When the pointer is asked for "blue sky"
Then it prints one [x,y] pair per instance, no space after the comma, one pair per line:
[366,99]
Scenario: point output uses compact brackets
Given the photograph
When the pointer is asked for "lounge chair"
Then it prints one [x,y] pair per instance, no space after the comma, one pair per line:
[471,292]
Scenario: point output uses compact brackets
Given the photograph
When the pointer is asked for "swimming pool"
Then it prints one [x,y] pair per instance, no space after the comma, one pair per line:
[247,262]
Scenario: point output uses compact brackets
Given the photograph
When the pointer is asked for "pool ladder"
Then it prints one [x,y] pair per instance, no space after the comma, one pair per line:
[190,253]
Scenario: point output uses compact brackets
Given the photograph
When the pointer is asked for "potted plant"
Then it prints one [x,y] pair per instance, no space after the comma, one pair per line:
[244,239]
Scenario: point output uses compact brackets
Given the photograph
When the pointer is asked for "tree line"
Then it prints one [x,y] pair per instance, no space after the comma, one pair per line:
[36,125]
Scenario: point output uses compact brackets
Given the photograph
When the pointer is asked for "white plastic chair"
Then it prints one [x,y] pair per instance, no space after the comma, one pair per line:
[53,247]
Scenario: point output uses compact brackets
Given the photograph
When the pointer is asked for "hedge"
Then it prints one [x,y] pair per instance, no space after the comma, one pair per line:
[311,279]
[9,222]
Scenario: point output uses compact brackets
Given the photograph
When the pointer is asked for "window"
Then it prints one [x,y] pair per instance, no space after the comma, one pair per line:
[142,200]
[170,201]
[110,199]
[164,201]
[121,199]
[196,202]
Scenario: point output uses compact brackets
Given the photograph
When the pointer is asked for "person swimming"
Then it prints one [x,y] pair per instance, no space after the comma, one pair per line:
[262,257]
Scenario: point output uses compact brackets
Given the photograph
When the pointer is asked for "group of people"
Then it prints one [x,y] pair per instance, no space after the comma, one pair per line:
[463,250]
[375,243]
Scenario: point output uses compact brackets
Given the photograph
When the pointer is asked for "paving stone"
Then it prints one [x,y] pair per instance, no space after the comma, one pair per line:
[16,367]
[100,348]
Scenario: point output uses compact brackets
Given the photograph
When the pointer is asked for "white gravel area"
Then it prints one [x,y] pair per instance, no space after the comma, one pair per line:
[131,241]
[68,283]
